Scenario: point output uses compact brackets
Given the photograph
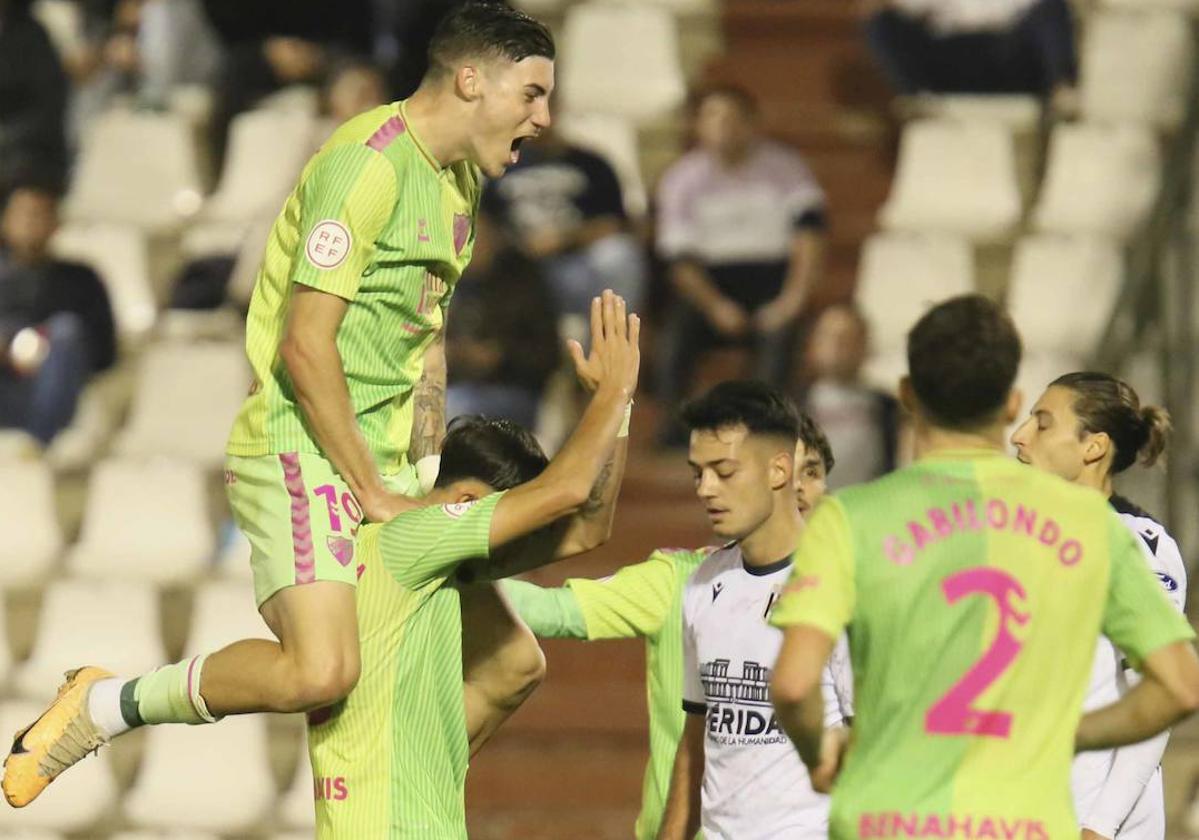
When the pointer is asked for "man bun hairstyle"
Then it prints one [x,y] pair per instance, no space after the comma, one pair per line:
[487,29]
[963,355]
[1109,405]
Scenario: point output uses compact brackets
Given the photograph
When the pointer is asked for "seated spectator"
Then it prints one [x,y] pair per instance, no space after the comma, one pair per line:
[33,101]
[741,226]
[56,325]
[563,206]
[502,345]
[975,46]
[862,424]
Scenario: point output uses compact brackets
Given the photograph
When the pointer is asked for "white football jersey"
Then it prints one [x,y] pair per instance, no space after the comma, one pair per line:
[755,787]
[1119,792]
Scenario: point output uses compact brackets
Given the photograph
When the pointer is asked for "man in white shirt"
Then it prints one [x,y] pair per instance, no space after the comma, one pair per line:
[735,775]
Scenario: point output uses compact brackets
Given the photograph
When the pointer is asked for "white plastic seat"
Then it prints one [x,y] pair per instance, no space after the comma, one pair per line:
[63,22]
[186,399]
[113,625]
[1063,290]
[164,835]
[623,59]
[232,759]
[29,519]
[1136,67]
[145,521]
[75,801]
[136,168]
[296,809]
[955,177]
[224,612]
[119,255]
[677,7]
[1099,180]
[27,834]
[614,139]
[1017,112]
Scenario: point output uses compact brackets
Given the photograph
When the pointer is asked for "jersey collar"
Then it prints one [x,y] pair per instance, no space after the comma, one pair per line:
[420,146]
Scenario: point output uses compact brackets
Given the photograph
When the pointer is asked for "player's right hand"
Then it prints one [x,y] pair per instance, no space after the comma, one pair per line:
[384,506]
[832,753]
[615,357]
[728,319]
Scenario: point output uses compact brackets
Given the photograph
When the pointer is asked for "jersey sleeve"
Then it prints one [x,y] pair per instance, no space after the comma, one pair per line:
[1138,617]
[694,700]
[821,591]
[632,603]
[550,612]
[833,715]
[1165,560]
[346,199]
[842,674]
[429,543]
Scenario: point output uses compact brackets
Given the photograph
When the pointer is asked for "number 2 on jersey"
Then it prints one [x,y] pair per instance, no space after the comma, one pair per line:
[953,714]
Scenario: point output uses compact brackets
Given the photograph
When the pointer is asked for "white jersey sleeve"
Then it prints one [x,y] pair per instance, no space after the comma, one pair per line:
[842,677]
[693,688]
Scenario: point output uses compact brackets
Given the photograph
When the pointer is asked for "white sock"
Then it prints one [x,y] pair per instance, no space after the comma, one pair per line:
[104,705]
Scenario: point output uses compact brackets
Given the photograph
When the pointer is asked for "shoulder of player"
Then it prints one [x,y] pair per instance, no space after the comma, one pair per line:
[717,561]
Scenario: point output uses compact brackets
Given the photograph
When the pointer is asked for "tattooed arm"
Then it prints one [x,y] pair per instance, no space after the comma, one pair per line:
[428,404]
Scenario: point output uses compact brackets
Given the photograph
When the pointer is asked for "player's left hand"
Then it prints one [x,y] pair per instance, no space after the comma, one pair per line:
[832,751]
[776,314]
[1087,834]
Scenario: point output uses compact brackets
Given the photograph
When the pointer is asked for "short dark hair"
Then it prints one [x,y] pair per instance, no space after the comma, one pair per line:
[760,408]
[1106,404]
[815,440]
[962,359]
[497,452]
[740,96]
[488,29]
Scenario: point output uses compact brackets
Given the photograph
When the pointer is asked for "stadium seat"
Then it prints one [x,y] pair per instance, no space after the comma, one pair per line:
[16,445]
[73,803]
[27,834]
[164,835]
[1016,112]
[1136,68]
[29,519]
[677,7]
[119,255]
[186,398]
[224,612]
[1099,180]
[615,140]
[5,652]
[63,22]
[136,168]
[145,521]
[1188,6]
[296,805]
[957,178]
[621,59]
[267,149]
[228,761]
[1051,275]
[114,625]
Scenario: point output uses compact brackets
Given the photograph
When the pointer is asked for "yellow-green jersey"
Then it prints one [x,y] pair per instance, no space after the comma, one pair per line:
[390,760]
[974,589]
[377,221]
[643,600]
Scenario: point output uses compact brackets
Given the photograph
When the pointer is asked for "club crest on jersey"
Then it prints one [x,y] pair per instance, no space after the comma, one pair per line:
[1168,582]
[328,245]
[456,510]
[461,232]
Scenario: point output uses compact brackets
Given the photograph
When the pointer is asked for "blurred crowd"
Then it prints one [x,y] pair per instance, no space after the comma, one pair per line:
[730,256]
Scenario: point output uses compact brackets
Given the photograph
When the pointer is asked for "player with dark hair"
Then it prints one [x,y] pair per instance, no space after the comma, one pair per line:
[1087,428]
[391,760]
[644,600]
[733,773]
[345,337]
[974,591]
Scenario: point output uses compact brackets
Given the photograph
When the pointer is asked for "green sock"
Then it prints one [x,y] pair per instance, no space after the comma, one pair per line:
[170,694]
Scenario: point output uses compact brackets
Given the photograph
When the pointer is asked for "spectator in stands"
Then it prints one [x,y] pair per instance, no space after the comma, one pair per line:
[975,46]
[862,424]
[741,225]
[56,325]
[33,101]
[563,206]
[502,345]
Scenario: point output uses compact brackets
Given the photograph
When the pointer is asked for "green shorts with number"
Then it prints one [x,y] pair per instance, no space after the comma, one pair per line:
[300,518]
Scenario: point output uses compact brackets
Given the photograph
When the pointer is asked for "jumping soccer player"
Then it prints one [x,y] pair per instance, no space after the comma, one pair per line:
[645,600]
[974,590]
[1088,428]
[345,338]
[391,760]
[734,775]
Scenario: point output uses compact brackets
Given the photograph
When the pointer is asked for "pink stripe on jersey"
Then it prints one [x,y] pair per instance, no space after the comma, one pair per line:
[301,522]
[387,132]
